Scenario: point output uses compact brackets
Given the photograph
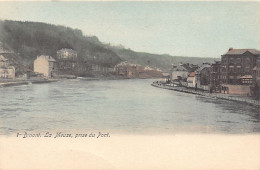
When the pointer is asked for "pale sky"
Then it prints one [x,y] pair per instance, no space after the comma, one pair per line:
[199,29]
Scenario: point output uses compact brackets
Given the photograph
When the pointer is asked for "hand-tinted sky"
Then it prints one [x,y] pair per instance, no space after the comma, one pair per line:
[204,29]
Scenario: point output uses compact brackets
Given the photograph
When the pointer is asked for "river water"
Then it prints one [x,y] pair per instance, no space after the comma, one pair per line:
[119,106]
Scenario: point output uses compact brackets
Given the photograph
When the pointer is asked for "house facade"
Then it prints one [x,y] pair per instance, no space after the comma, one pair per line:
[67,61]
[125,69]
[191,80]
[237,63]
[215,77]
[179,73]
[45,65]
[202,77]
[6,71]
[237,69]
[257,78]
[128,70]
[255,90]
[102,69]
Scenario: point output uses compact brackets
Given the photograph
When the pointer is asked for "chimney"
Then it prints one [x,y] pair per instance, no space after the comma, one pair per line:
[230,49]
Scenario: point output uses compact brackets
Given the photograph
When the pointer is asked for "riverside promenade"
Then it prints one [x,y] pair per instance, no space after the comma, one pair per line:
[235,98]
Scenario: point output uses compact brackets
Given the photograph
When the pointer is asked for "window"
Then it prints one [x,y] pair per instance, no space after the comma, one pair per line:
[247,69]
[223,60]
[238,68]
[231,59]
[231,68]
[247,60]
[238,60]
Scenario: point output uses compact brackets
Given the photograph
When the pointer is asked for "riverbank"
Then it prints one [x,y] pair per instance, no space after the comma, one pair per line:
[235,98]
[111,78]
[25,82]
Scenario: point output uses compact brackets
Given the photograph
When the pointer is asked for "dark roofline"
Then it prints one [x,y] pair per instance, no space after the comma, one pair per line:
[246,50]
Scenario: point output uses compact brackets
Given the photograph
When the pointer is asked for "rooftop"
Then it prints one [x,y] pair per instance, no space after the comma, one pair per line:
[242,51]
[202,67]
[49,58]
[179,68]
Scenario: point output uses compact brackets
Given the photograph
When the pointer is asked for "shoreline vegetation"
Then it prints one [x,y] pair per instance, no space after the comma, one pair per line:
[234,98]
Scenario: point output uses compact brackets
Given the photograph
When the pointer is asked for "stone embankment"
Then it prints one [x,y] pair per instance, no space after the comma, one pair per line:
[25,82]
[236,98]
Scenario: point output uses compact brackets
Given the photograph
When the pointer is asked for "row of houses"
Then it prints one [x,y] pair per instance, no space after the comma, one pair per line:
[129,70]
[238,72]
[49,67]
[191,76]
[7,71]
[66,63]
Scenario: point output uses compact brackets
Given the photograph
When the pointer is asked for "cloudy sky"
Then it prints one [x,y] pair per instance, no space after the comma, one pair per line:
[201,29]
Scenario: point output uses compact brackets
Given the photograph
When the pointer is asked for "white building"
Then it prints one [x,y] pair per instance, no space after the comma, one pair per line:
[179,72]
[66,53]
[45,65]
[6,71]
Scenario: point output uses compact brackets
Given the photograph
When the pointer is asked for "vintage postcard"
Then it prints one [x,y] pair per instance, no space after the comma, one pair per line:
[129,85]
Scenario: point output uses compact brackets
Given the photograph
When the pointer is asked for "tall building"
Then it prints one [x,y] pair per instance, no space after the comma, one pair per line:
[45,65]
[258,70]
[255,90]
[215,76]
[237,64]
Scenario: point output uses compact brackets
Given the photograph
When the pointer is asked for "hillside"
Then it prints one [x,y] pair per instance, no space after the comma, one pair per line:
[163,61]
[29,39]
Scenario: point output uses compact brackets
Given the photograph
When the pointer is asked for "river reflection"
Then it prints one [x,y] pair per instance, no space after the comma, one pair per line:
[119,106]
